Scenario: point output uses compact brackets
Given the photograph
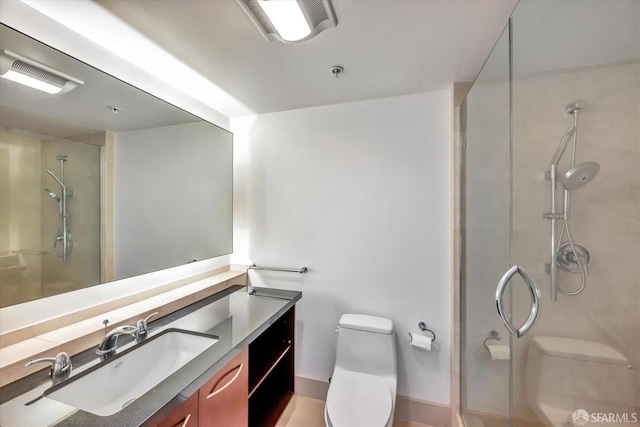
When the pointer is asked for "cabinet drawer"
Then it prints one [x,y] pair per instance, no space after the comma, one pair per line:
[223,399]
[185,416]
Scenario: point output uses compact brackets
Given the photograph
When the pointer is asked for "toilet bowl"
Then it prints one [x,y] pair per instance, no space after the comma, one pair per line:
[564,375]
[362,392]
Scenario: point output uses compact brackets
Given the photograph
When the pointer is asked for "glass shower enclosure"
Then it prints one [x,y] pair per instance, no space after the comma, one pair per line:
[550,220]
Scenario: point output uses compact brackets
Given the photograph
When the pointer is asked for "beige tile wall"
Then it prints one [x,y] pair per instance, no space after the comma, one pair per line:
[82,176]
[605,214]
[605,217]
[20,217]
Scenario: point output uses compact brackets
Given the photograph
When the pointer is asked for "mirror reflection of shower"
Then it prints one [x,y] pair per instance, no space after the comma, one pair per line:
[568,254]
[62,244]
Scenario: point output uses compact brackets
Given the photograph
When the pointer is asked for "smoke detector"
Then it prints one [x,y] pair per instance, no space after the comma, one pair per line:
[31,73]
[290,21]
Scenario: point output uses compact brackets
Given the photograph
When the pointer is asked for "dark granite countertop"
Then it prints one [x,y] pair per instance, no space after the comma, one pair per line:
[233,315]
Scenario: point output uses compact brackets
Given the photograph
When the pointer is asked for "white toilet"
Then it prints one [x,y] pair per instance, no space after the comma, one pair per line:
[362,392]
[565,374]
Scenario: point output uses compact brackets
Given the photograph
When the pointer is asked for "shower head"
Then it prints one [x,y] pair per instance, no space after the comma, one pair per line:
[52,194]
[580,175]
[62,157]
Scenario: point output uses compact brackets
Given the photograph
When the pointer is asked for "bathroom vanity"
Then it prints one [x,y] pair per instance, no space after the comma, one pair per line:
[244,378]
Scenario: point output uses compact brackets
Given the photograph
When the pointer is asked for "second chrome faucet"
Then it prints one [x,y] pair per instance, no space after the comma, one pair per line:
[109,343]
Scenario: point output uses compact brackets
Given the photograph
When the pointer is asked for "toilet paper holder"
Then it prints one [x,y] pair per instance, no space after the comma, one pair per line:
[493,335]
[423,327]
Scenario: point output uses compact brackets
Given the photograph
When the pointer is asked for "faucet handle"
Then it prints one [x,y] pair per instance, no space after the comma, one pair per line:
[142,324]
[60,365]
[146,319]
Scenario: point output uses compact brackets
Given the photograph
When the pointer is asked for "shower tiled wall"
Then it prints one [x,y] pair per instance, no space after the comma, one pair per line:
[82,176]
[605,214]
[19,218]
[29,218]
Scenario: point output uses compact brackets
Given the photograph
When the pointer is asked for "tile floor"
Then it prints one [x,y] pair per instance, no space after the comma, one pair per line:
[306,412]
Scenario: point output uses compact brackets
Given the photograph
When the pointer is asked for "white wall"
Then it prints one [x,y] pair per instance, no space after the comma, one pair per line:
[159,174]
[360,194]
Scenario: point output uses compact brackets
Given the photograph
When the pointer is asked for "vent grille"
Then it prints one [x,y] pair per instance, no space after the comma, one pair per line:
[43,75]
[318,13]
[314,11]
[255,11]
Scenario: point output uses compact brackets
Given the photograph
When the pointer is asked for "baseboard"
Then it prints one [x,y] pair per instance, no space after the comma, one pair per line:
[407,408]
[311,387]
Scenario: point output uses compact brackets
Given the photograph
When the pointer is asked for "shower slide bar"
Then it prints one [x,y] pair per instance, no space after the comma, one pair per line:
[300,270]
[566,254]
[63,234]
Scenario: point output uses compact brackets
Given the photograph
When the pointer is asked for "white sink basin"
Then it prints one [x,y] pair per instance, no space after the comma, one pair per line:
[114,384]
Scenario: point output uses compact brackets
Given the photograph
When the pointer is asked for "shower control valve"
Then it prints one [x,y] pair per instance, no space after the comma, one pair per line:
[567,259]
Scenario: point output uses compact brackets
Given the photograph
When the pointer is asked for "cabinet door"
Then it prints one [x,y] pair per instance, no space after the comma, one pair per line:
[185,416]
[224,398]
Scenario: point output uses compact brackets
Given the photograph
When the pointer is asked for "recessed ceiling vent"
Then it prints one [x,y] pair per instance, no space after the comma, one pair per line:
[30,73]
[290,21]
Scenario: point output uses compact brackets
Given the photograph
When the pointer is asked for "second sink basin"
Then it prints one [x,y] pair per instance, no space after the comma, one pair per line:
[110,386]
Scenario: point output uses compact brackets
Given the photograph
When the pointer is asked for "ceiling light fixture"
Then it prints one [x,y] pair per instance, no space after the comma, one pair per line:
[31,73]
[290,21]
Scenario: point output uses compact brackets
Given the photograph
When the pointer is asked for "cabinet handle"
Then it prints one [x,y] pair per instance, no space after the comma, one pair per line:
[184,422]
[213,393]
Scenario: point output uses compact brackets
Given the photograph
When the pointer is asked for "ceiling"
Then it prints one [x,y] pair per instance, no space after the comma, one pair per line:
[387,48]
[83,110]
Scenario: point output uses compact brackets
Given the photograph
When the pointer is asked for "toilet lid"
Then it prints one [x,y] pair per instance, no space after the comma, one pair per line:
[357,399]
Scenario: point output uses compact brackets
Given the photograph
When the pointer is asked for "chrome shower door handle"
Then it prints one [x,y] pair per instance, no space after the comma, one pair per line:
[535,298]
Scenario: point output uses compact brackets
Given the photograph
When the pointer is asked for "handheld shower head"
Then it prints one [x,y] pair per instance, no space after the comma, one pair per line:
[580,175]
[52,194]
[563,145]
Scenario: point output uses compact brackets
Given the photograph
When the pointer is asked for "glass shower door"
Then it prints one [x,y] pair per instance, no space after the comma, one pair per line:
[557,101]
[486,248]
[500,300]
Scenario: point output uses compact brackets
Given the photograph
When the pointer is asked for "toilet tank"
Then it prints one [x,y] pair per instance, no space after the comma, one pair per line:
[366,344]
[583,370]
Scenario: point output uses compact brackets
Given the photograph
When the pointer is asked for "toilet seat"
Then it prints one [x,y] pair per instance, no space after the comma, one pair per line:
[358,400]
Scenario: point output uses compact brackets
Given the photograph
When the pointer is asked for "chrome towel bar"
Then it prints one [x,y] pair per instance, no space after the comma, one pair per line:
[286,270]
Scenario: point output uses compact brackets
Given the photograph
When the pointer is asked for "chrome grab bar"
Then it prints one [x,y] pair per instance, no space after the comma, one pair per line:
[535,296]
[286,270]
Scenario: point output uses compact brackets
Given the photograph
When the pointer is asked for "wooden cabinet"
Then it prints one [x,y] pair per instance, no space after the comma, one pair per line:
[185,416]
[271,371]
[251,390]
[223,399]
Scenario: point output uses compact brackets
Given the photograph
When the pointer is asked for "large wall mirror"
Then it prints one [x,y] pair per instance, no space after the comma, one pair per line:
[100,181]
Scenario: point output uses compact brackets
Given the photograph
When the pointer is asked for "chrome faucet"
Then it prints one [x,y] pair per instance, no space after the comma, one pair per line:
[109,343]
[60,365]
[142,327]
